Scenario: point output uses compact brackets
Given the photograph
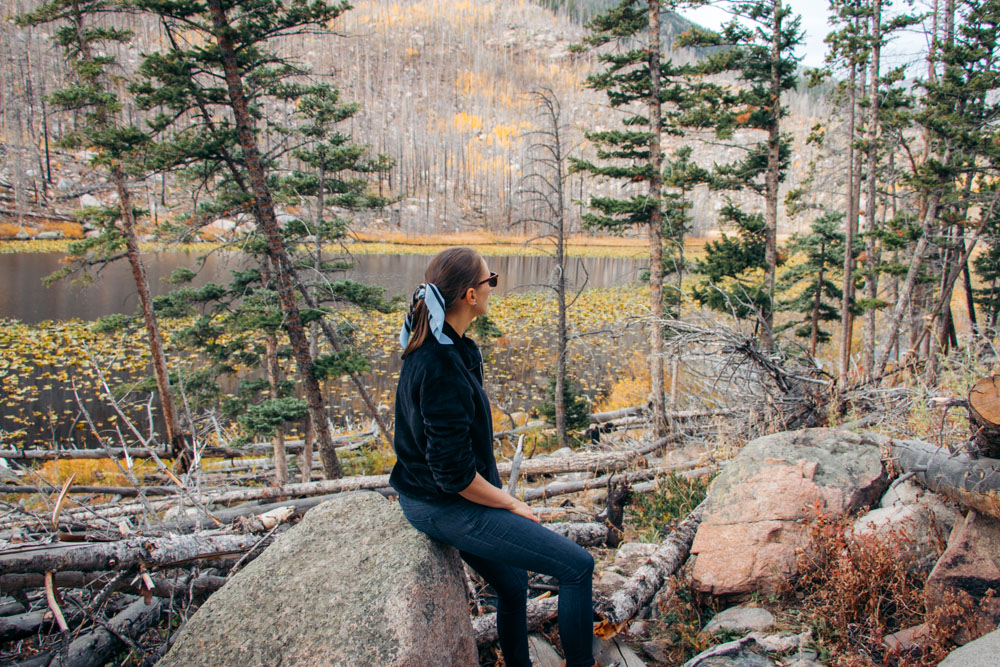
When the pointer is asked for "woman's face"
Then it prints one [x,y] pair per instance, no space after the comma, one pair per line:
[483,291]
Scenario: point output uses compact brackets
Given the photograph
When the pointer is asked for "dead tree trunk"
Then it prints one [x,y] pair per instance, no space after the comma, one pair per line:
[94,649]
[974,483]
[640,588]
[122,554]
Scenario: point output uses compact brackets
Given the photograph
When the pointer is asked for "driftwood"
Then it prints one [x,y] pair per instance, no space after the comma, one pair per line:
[974,483]
[127,553]
[95,648]
[640,588]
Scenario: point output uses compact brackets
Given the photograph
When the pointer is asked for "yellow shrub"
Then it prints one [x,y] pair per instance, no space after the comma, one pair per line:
[629,390]
[92,472]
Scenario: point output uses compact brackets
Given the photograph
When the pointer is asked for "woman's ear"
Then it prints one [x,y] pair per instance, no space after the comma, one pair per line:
[469,293]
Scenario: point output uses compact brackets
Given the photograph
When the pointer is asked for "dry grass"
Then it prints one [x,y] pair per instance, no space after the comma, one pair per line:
[860,588]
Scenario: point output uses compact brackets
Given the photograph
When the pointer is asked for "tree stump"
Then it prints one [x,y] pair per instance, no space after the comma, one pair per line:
[984,417]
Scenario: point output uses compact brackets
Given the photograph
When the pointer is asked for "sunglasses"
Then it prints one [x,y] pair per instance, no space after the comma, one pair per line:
[492,280]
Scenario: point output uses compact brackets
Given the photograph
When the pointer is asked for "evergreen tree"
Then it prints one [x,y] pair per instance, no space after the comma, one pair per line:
[811,281]
[957,179]
[654,95]
[757,46]
[213,95]
[119,147]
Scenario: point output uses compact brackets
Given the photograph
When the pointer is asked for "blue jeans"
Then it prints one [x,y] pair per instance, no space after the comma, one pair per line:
[500,546]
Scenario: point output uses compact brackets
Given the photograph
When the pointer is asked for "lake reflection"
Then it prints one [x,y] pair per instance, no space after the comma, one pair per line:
[24,297]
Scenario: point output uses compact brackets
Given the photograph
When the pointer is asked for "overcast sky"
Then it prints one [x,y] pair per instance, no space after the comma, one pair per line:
[905,48]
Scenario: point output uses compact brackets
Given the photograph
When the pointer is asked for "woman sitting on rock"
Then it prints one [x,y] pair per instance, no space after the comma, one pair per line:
[446,474]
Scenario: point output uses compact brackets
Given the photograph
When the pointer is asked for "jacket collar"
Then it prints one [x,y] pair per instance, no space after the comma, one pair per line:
[452,334]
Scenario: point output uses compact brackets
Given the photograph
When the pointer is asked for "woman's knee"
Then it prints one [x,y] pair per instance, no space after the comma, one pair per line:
[580,565]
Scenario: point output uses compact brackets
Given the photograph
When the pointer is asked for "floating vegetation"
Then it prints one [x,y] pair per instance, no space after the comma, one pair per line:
[44,367]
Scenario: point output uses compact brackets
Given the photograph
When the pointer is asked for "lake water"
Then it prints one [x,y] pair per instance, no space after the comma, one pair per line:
[517,376]
[24,297]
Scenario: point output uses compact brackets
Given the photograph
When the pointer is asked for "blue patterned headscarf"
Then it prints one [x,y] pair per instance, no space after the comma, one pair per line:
[435,308]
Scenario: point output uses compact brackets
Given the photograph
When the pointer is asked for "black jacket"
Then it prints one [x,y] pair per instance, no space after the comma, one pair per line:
[444,429]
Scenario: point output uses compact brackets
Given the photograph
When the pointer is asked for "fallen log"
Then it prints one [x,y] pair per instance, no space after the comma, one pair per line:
[585,534]
[640,588]
[564,487]
[31,623]
[549,465]
[974,483]
[125,491]
[164,588]
[20,626]
[539,610]
[10,583]
[125,553]
[133,452]
[624,603]
[94,649]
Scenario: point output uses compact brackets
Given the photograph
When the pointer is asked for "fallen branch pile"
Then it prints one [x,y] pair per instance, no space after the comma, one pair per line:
[88,576]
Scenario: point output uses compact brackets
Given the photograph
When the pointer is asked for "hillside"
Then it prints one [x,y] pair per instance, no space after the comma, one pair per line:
[444,88]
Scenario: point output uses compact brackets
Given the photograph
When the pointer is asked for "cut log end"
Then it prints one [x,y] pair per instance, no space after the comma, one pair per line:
[984,416]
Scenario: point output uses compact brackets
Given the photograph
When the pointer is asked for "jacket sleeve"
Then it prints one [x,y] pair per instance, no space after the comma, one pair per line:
[447,410]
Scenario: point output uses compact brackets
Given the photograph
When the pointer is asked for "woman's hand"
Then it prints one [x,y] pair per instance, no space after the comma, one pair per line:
[483,493]
[523,509]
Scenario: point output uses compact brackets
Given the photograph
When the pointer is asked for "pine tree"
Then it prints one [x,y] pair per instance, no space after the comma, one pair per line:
[119,148]
[811,281]
[758,46]
[958,176]
[653,93]
[212,97]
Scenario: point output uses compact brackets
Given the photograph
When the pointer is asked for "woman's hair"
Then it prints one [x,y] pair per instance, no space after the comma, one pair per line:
[453,271]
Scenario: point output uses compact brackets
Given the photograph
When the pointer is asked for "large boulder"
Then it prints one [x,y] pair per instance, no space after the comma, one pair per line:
[758,508]
[970,565]
[352,584]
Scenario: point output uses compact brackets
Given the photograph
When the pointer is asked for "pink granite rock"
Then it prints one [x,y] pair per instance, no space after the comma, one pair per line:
[970,564]
[758,509]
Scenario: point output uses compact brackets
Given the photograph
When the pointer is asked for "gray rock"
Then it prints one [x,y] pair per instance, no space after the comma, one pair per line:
[64,184]
[740,619]
[89,200]
[912,510]
[49,236]
[758,509]
[983,652]
[738,653]
[351,584]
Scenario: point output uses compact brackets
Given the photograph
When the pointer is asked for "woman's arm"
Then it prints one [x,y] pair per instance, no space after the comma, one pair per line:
[482,492]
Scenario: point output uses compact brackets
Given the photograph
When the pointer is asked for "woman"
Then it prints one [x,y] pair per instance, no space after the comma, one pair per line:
[445,472]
